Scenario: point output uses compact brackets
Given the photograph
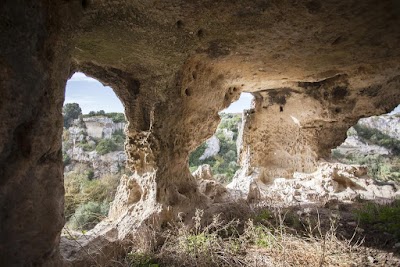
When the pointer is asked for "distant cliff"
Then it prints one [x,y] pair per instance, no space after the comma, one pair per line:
[97,142]
[102,127]
[375,143]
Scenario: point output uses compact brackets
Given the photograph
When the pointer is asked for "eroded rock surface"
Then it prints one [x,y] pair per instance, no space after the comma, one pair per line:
[331,181]
[315,68]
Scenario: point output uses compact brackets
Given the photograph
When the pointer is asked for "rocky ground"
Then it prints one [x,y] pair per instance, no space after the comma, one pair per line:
[336,198]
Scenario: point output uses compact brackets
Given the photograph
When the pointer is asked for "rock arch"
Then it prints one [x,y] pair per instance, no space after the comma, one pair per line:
[338,61]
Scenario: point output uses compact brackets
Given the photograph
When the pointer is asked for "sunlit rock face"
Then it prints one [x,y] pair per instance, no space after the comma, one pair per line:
[102,127]
[315,67]
[212,148]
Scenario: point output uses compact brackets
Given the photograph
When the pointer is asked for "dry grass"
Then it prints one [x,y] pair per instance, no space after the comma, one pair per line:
[261,241]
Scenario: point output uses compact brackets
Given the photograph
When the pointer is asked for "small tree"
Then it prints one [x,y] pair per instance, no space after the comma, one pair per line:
[71,111]
[101,113]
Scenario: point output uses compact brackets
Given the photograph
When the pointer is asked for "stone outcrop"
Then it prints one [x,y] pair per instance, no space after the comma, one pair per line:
[339,182]
[212,148]
[111,162]
[387,124]
[102,127]
[314,67]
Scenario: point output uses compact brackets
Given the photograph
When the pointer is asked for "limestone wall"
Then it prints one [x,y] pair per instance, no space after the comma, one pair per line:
[102,127]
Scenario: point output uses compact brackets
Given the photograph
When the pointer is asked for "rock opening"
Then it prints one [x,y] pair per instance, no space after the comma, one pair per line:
[93,152]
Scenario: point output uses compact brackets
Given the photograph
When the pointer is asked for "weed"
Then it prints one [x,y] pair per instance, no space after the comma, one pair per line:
[137,259]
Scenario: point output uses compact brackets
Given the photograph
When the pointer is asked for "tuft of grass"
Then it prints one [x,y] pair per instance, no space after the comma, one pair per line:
[139,259]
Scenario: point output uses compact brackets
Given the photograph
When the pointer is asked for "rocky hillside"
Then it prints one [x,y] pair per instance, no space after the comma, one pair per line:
[375,142]
[94,161]
[97,142]
[220,151]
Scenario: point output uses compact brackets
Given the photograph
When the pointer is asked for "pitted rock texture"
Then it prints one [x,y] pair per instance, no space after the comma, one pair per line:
[175,64]
[330,182]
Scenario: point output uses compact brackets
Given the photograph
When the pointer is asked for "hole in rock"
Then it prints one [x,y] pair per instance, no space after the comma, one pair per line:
[179,24]
[93,151]
[375,143]
[85,3]
[200,33]
[220,151]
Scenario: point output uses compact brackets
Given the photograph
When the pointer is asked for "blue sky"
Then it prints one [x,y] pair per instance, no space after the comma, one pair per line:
[91,95]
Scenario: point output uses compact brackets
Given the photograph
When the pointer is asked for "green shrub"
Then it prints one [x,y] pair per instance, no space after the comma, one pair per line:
[137,259]
[336,154]
[80,189]
[196,154]
[105,146]
[86,146]
[379,167]
[118,137]
[88,215]
[116,116]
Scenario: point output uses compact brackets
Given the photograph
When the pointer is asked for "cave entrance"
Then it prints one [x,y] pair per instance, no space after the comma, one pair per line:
[221,150]
[375,143]
[93,151]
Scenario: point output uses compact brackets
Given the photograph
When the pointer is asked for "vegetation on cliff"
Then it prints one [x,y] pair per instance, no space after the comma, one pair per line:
[380,166]
[87,197]
[71,112]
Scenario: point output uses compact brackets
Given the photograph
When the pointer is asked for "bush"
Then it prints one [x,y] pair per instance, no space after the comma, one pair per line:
[86,146]
[116,116]
[105,146]
[119,139]
[80,189]
[239,243]
[195,155]
[88,215]
[138,259]
[379,167]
